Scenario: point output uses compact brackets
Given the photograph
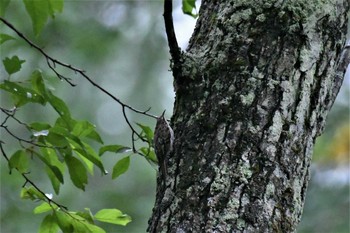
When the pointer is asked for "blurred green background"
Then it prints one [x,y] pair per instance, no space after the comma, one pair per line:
[122,46]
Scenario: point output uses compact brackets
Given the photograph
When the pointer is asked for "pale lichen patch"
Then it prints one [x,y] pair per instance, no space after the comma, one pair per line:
[247,99]
[275,129]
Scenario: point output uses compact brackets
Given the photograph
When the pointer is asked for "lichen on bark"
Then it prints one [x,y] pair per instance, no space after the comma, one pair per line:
[253,93]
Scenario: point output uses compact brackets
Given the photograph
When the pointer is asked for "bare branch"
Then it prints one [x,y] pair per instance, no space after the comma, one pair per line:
[175,51]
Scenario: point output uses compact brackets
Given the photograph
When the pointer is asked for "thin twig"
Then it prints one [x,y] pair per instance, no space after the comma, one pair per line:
[27,180]
[77,70]
[11,114]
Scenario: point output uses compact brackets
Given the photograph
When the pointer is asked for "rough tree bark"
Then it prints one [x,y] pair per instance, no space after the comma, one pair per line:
[253,91]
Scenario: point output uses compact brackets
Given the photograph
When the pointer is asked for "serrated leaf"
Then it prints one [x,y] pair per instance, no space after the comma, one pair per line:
[188,6]
[113,148]
[121,167]
[42,208]
[20,161]
[77,172]
[48,225]
[5,37]
[113,216]
[13,64]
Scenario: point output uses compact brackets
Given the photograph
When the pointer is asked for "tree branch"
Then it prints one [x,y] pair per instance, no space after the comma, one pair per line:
[175,51]
[77,70]
[51,62]
[27,180]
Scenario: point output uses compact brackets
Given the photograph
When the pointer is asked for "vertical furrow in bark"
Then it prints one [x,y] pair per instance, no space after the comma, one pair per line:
[253,94]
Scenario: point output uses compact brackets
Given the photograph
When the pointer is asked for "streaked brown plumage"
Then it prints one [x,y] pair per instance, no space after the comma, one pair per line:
[163,143]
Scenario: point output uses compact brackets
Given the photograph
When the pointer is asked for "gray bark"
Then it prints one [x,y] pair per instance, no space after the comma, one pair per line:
[253,91]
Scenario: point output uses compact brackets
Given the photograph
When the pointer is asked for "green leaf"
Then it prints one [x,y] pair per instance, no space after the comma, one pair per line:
[38,82]
[86,129]
[57,140]
[48,225]
[56,184]
[64,221]
[77,172]
[55,6]
[19,160]
[149,154]
[3,6]
[113,216]
[40,10]
[39,126]
[88,164]
[13,64]
[4,37]
[83,149]
[121,167]
[83,222]
[86,215]
[74,222]
[92,228]
[95,136]
[42,208]
[54,169]
[188,6]
[146,131]
[113,148]
[88,152]
[50,158]
[60,107]
[31,193]
[21,95]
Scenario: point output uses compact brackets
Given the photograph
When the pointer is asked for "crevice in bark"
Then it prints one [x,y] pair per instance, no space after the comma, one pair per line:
[248,108]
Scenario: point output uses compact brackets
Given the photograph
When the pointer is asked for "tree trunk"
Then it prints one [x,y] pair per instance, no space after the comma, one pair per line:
[253,91]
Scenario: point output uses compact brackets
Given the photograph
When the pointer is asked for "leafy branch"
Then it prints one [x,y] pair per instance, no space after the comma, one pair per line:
[52,62]
[51,144]
[63,144]
[37,192]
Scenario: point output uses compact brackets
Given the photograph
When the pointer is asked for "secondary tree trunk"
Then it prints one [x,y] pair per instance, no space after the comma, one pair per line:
[253,91]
